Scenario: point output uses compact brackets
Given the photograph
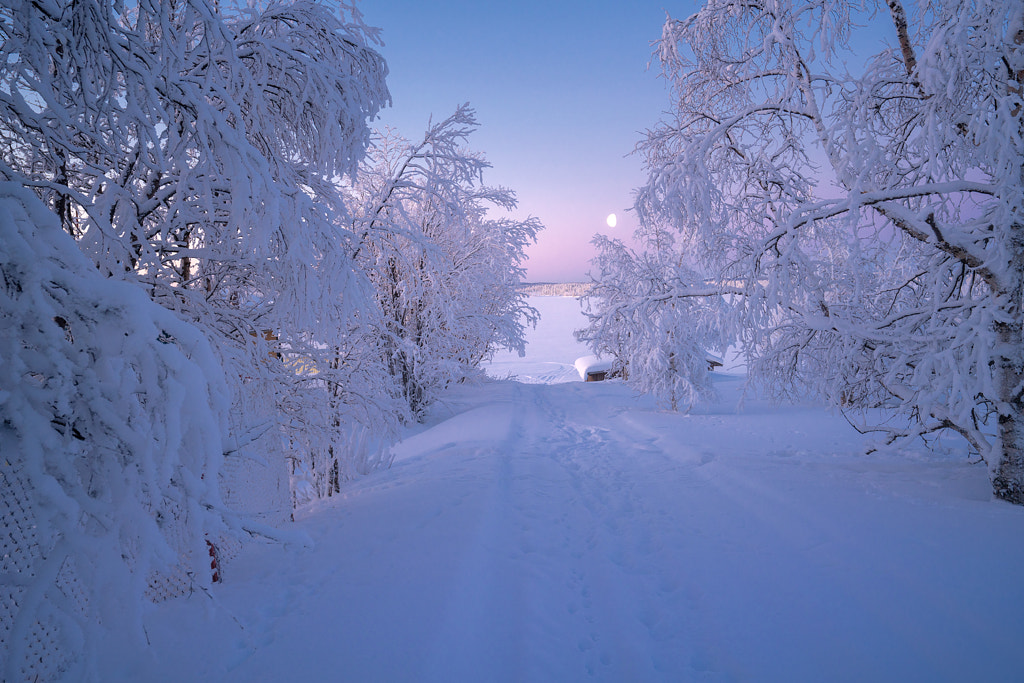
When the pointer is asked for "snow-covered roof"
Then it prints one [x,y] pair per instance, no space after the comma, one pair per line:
[592,364]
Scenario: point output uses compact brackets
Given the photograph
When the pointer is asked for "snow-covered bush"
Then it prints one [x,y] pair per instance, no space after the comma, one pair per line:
[870,223]
[194,148]
[113,421]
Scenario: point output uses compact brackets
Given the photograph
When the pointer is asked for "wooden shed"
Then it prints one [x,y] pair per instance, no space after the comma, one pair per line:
[593,368]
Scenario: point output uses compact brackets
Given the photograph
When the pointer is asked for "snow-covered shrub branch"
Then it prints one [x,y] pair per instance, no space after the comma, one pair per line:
[873,221]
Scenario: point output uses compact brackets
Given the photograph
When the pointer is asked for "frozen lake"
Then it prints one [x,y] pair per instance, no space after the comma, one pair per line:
[552,349]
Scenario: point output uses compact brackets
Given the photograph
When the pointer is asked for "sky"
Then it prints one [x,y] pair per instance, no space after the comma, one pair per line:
[562,91]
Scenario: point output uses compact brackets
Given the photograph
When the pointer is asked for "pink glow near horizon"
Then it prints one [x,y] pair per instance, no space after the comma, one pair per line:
[561,91]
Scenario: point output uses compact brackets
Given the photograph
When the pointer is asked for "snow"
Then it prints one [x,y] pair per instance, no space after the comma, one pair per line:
[591,364]
[552,350]
[554,530]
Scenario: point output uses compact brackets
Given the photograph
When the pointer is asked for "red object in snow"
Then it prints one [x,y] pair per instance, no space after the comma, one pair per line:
[214,560]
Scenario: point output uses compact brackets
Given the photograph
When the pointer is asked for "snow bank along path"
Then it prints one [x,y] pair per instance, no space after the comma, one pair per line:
[573,532]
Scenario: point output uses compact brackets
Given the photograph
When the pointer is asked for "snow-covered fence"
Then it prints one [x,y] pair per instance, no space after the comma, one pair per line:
[43,654]
[36,612]
[112,433]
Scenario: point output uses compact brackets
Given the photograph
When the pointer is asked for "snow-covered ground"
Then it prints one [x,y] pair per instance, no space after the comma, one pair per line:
[571,531]
[552,348]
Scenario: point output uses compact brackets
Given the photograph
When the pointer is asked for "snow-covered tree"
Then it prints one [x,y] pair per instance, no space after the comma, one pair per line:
[872,222]
[195,148]
[191,152]
[640,317]
[443,271]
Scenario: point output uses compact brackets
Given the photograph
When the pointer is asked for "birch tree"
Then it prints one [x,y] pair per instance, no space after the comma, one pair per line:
[444,272]
[195,149]
[646,317]
[872,223]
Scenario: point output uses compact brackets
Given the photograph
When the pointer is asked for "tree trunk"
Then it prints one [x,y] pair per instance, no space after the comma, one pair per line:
[899,21]
[1008,482]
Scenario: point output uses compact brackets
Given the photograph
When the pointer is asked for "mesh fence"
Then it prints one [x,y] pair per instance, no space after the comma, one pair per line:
[45,616]
[43,655]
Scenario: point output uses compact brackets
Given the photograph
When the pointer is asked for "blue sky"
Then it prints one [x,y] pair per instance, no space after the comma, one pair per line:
[562,93]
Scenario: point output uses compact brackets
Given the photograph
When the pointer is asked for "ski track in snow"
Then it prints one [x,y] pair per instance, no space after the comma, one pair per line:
[572,532]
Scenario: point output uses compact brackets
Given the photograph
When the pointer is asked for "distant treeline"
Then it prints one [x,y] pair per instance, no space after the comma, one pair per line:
[555,288]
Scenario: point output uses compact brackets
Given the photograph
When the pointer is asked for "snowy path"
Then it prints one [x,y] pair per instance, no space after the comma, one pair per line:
[572,532]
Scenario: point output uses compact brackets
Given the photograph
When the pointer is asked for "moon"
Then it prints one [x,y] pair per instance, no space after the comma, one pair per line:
[611,220]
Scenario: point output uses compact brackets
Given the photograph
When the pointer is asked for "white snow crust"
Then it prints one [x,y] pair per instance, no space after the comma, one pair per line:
[565,531]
